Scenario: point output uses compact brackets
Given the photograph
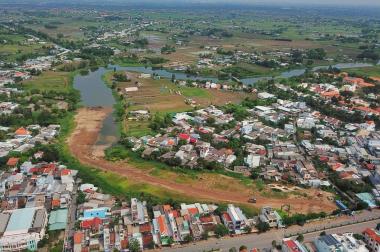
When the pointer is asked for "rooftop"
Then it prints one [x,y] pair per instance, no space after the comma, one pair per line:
[20,221]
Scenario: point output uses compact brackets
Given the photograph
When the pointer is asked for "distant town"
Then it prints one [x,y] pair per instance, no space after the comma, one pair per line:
[189,128]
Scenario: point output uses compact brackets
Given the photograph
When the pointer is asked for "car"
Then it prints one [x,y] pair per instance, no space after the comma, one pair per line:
[252,200]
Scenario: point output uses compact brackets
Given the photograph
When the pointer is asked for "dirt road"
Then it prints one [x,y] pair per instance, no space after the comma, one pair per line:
[81,144]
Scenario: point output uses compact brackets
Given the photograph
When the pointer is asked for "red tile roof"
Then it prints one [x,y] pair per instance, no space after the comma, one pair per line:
[22,132]
[55,203]
[78,237]
[206,219]
[167,208]
[193,211]
[92,223]
[12,161]
[65,172]
[372,234]
[227,217]
[147,239]
[162,224]
[145,228]
[124,244]
[184,136]
[292,246]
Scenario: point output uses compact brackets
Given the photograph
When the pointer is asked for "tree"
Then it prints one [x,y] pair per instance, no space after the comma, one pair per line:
[233,249]
[221,230]
[361,205]
[248,229]
[81,198]
[358,237]
[323,233]
[204,235]
[300,238]
[188,238]
[134,245]
[274,243]
[243,248]
[263,227]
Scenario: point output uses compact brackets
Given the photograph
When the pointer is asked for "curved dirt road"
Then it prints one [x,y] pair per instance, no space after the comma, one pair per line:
[81,144]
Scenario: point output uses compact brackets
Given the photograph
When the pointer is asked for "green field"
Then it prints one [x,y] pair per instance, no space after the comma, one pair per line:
[50,81]
[366,71]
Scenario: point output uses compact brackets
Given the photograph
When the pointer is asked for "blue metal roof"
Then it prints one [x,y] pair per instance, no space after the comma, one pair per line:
[21,219]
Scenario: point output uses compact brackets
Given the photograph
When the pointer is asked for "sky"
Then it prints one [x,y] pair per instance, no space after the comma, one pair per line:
[343,3]
[335,2]
[280,2]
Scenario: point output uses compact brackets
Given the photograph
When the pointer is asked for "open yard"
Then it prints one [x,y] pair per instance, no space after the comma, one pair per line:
[49,81]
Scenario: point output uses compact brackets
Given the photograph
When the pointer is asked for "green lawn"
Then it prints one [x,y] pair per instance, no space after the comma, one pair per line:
[194,92]
[366,71]
[49,81]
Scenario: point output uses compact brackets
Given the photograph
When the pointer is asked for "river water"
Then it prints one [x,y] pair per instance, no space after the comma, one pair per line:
[246,81]
[95,93]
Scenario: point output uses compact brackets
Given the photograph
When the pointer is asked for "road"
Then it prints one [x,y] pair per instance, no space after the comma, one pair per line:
[70,228]
[264,241]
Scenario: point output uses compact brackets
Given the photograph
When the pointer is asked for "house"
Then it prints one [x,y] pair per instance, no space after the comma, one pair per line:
[92,224]
[131,89]
[328,243]
[183,227]
[164,231]
[139,211]
[100,212]
[22,228]
[372,239]
[78,238]
[265,95]
[268,215]
[238,219]
[12,162]
[289,245]
[22,133]
[58,219]
[252,160]
[306,123]
[350,243]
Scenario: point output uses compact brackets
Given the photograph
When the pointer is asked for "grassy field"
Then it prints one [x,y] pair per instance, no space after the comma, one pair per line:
[162,96]
[366,71]
[50,80]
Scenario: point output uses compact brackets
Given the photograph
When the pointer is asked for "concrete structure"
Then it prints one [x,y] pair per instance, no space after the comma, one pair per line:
[58,219]
[268,215]
[289,245]
[328,243]
[239,220]
[372,239]
[349,243]
[23,228]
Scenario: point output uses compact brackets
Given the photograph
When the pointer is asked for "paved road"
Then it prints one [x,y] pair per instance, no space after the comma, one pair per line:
[264,241]
[70,228]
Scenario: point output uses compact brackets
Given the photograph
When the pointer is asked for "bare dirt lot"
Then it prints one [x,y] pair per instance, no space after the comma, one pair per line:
[207,186]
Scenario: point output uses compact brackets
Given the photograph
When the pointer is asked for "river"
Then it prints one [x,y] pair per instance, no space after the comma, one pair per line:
[95,93]
[246,81]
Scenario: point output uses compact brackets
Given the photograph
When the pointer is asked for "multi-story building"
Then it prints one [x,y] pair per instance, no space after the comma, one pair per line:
[328,243]
[239,220]
[372,239]
[289,245]
[268,216]
[22,228]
